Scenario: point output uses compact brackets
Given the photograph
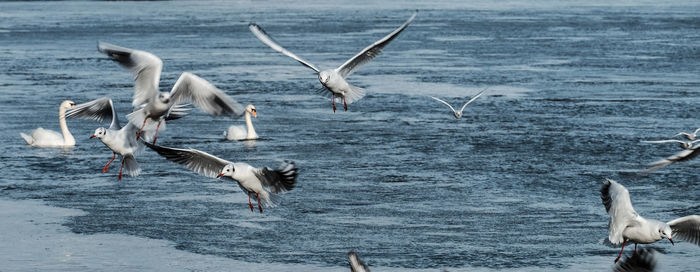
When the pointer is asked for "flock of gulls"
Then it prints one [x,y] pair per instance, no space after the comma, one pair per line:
[152,108]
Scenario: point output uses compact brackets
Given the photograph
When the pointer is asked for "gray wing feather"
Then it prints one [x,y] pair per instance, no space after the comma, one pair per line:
[204,95]
[617,203]
[371,51]
[100,109]
[644,261]
[472,100]
[687,228]
[262,36]
[684,155]
[200,162]
[145,67]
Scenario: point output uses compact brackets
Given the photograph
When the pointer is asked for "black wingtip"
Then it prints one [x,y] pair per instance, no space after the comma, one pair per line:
[605,194]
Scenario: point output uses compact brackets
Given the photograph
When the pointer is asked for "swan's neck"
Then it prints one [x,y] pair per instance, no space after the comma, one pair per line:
[249,126]
[67,137]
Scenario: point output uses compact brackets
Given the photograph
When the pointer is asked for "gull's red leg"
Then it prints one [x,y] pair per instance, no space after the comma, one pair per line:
[157,127]
[104,170]
[333,101]
[249,203]
[344,104]
[621,250]
[138,135]
[257,198]
[120,171]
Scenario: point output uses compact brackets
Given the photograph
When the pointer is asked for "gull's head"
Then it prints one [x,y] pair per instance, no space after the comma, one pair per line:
[164,97]
[324,76]
[99,133]
[68,105]
[457,114]
[665,231]
[251,109]
[227,171]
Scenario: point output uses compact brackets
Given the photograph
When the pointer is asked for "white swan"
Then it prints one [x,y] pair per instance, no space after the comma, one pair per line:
[48,138]
[240,133]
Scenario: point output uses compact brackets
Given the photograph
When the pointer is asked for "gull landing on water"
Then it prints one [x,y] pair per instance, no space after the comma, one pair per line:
[627,226]
[334,79]
[458,114]
[155,106]
[264,183]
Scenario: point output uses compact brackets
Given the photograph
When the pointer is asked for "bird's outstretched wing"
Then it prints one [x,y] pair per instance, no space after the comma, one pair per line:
[444,102]
[193,159]
[204,95]
[100,109]
[280,180]
[356,265]
[371,51]
[262,36]
[642,261]
[472,99]
[683,155]
[617,203]
[145,66]
[687,228]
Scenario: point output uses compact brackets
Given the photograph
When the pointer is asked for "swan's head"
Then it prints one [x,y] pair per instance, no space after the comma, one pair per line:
[227,171]
[67,105]
[99,133]
[665,231]
[251,109]
[324,76]
[164,97]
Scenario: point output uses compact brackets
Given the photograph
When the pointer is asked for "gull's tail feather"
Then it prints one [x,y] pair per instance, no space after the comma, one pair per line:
[27,138]
[131,167]
[355,93]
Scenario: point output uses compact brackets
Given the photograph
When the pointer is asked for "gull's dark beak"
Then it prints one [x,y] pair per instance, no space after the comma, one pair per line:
[671,241]
[220,175]
[255,113]
[93,136]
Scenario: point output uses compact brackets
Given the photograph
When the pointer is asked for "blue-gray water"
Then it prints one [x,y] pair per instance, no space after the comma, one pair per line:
[513,184]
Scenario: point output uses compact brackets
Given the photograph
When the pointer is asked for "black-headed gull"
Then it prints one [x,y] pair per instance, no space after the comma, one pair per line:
[689,136]
[356,265]
[458,114]
[334,79]
[265,183]
[154,105]
[48,138]
[627,226]
[240,133]
[689,152]
[119,139]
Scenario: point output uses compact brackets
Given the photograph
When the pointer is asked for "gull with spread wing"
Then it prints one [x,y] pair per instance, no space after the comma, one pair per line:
[626,225]
[265,183]
[334,79]
[356,265]
[458,114]
[689,152]
[117,138]
[689,136]
[153,106]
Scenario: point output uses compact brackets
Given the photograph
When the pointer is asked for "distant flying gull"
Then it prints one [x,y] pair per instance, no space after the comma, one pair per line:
[48,138]
[156,106]
[117,138]
[689,136]
[683,144]
[356,265]
[626,225]
[689,152]
[264,183]
[240,133]
[458,114]
[642,261]
[334,79]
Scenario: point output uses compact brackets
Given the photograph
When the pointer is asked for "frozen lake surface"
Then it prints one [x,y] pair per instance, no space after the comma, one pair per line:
[513,185]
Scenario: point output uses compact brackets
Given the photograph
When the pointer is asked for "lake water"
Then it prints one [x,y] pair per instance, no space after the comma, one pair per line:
[513,185]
